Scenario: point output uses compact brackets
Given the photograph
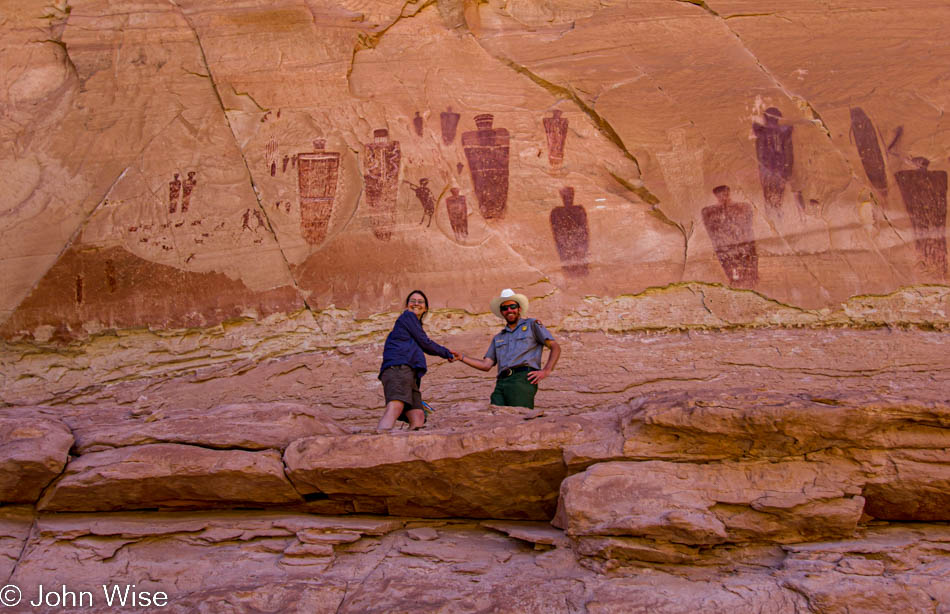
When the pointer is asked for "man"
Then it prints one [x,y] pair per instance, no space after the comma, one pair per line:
[517,351]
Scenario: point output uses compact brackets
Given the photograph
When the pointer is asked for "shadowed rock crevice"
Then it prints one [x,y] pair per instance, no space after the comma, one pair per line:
[62,45]
[701,4]
[371,39]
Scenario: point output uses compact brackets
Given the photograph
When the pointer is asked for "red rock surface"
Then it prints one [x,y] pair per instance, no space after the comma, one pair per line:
[713,503]
[464,569]
[248,426]
[509,469]
[186,182]
[732,219]
[168,476]
[33,452]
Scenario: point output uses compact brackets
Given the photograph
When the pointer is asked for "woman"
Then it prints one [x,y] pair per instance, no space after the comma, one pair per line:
[404,364]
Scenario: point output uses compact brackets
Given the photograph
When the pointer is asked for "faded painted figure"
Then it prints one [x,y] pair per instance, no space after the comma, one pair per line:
[458,214]
[555,128]
[487,152]
[729,226]
[381,176]
[187,189]
[424,194]
[418,123]
[571,233]
[925,196]
[317,173]
[865,139]
[773,148]
[449,120]
[252,219]
[270,154]
[174,189]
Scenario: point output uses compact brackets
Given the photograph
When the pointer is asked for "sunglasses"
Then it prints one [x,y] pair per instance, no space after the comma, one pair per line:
[509,307]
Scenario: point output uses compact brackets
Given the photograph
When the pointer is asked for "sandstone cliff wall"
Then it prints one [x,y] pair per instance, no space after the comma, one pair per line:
[733,219]
[178,164]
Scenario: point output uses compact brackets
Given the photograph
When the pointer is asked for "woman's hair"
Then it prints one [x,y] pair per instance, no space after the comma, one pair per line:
[424,297]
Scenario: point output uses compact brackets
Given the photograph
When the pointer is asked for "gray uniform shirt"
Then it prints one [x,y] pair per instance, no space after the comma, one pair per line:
[521,346]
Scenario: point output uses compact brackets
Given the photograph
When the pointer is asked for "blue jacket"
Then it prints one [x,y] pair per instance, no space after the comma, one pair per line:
[406,343]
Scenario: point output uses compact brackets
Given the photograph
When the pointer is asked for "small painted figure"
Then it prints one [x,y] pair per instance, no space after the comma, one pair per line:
[424,194]
[458,214]
[773,148]
[556,130]
[571,233]
[865,139]
[252,219]
[284,162]
[381,160]
[925,196]
[449,121]
[270,152]
[729,226]
[111,276]
[898,133]
[487,152]
[187,189]
[317,174]
[174,189]
[417,123]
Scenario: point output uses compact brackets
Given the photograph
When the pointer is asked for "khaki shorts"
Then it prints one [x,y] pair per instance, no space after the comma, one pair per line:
[400,384]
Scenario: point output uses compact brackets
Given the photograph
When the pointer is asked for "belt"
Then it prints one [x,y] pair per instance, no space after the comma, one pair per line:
[503,373]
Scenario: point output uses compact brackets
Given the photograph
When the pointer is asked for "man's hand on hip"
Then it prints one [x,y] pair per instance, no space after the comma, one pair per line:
[536,376]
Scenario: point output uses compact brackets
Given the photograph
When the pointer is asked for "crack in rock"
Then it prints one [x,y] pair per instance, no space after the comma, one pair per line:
[371,40]
[224,111]
[701,4]
[76,233]
[608,131]
[566,93]
[26,543]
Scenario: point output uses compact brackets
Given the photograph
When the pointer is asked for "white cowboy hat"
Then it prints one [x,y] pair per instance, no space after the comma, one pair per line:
[509,295]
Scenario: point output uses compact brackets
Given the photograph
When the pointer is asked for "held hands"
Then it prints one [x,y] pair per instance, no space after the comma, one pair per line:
[455,356]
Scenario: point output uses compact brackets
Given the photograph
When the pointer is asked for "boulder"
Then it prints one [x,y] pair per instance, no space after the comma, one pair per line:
[507,469]
[33,451]
[713,503]
[910,485]
[741,422]
[169,476]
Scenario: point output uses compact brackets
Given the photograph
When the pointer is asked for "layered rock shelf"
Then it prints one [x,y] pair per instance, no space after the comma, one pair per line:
[719,497]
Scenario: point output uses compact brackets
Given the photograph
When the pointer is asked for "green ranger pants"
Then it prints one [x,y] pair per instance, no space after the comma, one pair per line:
[515,391]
